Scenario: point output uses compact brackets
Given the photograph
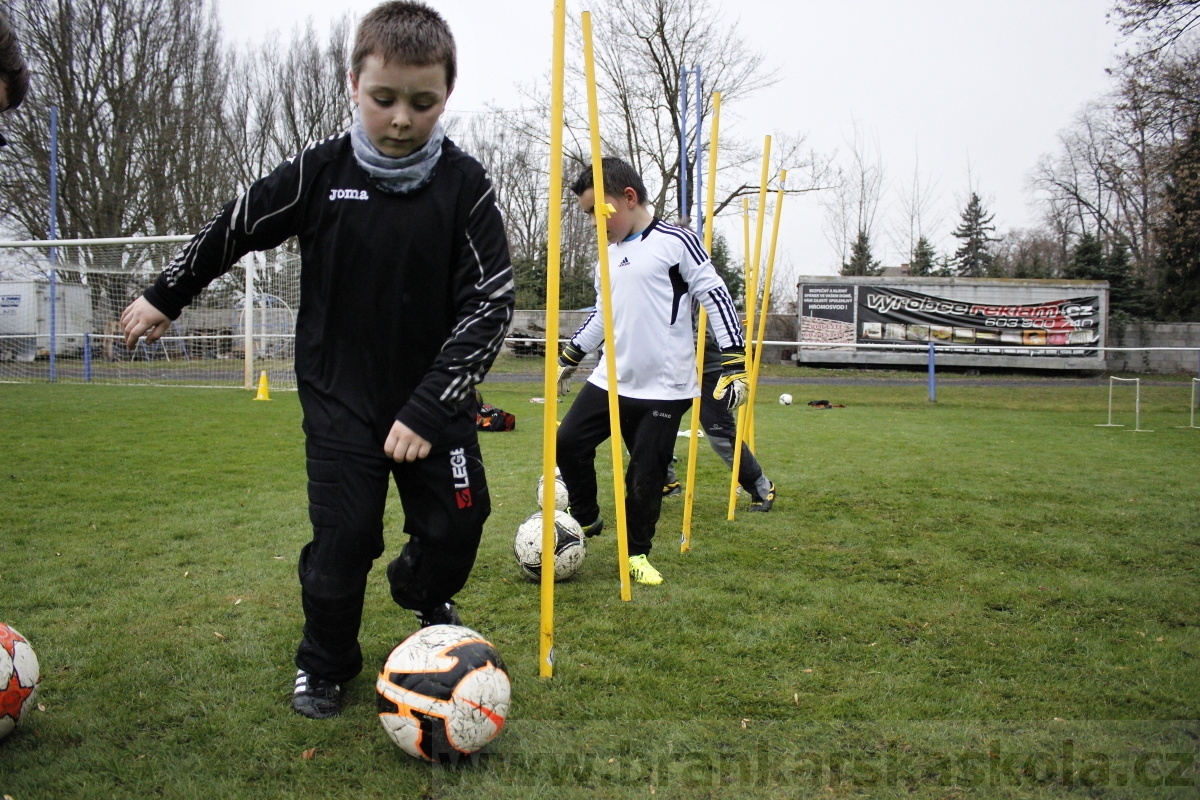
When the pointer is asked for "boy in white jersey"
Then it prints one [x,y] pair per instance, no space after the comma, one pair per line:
[656,270]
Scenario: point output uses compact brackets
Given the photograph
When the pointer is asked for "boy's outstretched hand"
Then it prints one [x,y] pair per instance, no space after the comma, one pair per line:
[141,318]
[403,444]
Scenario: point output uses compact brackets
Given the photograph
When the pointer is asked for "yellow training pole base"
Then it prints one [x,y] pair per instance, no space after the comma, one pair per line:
[264,392]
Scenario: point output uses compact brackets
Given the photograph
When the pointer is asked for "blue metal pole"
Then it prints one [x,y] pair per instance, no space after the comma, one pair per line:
[87,356]
[932,382]
[699,153]
[53,235]
[683,164]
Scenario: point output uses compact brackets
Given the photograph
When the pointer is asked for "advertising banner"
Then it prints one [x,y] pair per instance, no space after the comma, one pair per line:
[1066,327]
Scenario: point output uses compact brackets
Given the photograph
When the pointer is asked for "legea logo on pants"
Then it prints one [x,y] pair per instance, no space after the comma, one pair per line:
[462,481]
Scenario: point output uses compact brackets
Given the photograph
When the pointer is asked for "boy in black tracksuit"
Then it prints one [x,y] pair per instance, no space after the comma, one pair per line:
[406,295]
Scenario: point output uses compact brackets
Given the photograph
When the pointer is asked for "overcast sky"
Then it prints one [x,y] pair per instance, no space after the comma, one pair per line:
[972,91]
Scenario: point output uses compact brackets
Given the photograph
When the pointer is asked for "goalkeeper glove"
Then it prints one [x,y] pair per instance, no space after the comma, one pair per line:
[733,386]
[568,362]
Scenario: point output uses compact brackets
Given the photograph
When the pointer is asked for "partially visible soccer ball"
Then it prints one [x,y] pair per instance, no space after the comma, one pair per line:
[570,546]
[785,399]
[443,693]
[560,492]
[19,678]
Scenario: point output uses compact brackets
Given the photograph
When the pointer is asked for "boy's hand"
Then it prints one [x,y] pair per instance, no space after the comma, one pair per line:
[403,444]
[568,362]
[141,318]
[733,386]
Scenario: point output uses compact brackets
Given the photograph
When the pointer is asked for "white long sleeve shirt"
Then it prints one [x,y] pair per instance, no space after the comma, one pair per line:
[655,276]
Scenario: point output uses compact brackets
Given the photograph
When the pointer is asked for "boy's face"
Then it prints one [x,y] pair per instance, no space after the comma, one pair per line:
[620,224]
[399,103]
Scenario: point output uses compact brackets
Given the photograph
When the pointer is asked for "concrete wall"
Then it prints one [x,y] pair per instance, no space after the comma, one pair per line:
[1155,334]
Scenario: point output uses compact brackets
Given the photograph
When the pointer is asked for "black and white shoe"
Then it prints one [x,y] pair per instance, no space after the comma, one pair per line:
[443,614]
[315,697]
[763,503]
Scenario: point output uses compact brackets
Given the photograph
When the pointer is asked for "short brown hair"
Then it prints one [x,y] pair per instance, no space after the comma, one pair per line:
[618,176]
[13,71]
[405,32]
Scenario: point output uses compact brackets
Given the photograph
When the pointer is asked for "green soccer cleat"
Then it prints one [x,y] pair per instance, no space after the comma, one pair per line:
[641,571]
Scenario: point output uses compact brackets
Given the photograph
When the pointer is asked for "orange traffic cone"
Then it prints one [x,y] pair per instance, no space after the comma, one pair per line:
[264,393]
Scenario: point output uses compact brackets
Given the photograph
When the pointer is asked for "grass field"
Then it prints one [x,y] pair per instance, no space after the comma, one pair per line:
[986,596]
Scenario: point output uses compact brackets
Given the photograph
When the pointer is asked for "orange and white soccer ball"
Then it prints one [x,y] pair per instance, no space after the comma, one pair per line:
[443,693]
[19,679]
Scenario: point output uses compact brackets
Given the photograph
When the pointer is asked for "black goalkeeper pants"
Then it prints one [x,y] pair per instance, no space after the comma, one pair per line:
[445,502]
[648,428]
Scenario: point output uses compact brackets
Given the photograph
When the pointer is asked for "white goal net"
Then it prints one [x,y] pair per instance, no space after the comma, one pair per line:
[61,303]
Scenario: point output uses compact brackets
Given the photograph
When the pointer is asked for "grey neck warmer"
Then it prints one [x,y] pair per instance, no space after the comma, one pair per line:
[396,175]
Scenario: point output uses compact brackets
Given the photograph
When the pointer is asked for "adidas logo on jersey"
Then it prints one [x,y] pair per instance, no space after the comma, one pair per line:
[624,262]
[348,194]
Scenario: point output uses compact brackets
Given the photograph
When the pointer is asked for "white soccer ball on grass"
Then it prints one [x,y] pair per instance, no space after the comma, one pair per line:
[560,491]
[570,546]
[785,399]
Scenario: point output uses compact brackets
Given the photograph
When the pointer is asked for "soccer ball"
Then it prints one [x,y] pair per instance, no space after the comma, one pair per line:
[19,678]
[560,492]
[443,693]
[570,546]
[785,399]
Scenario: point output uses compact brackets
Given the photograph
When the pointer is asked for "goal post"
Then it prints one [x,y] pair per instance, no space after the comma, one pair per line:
[61,302]
[1137,404]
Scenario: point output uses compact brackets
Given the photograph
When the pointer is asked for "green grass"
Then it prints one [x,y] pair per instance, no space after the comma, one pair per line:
[948,599]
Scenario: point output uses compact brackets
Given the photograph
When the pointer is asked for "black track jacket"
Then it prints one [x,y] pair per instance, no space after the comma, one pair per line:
[404,299]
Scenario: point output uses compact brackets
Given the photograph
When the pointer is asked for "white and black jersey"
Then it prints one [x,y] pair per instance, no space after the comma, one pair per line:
[404,299]
[654,278]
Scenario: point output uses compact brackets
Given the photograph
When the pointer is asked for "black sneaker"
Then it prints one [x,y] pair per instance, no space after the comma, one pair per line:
[443,614]
[763,503]
[673,489]
[316,698]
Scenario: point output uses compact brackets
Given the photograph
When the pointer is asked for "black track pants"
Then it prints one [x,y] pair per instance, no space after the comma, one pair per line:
[445,501]
[648,428]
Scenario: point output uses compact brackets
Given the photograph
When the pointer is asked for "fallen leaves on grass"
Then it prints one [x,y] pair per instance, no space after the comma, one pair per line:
[219,635]
[309,754]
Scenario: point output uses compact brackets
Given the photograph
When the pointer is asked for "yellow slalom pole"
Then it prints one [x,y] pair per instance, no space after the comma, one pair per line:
[602,212]
[550,390]
[751,298]
[766,302]
[710,204]
[752,323]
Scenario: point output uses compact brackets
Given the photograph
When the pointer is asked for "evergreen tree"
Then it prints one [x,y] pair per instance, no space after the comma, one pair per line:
[1179,234]
[732,274]
[974,258]
[924,259]
[1127,295]
[861,262]
[1087,260]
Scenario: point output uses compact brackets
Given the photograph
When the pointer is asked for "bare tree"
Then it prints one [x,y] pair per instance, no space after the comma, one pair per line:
[138,88]
[314,98]
[916,216]
[1158,24]
[283,97]
[852,205]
